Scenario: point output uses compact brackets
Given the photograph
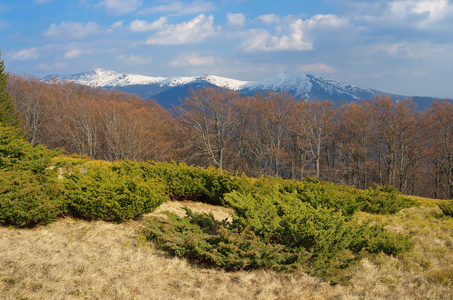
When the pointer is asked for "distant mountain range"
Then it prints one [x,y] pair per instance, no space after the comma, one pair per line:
[168,90]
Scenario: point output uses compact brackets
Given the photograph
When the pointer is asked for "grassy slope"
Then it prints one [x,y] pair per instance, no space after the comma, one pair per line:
[96,260]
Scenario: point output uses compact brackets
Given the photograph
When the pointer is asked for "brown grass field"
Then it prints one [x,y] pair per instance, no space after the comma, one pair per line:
[72,259]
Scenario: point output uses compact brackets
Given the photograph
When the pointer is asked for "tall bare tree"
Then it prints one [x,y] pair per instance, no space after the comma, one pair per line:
[315,123]
[353,133]
[209,118]
[396,138]
[35,101]
[440,117]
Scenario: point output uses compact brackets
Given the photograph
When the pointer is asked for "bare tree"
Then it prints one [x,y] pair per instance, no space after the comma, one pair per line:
[35,101]
[208,119]
[314,122]
[396,130]
[440,117]
[132,128]
[77,122]
[353,133]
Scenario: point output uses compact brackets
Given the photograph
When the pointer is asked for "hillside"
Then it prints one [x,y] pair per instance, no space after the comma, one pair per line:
[266,238]
[74,259]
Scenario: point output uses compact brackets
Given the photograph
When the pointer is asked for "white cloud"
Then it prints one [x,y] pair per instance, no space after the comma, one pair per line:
[139,25]
[194,31]
[179,8]
[25,55]
[74,53]
[134,60]
[117,24]
[425,13]
[72,30]
[320,67]
[325,21]
[290,33]
[121,7]
[268,19]
[192,60]
[410,15]
[236,20]
[415,51]
[261,40]
[434,8]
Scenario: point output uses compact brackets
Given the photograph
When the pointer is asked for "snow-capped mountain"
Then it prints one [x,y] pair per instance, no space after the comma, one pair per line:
[146,86]
[106,78]
[298,85]
[168,90]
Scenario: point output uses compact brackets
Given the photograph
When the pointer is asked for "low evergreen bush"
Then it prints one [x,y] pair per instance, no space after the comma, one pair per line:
[29,193]
[273,228]
[202,239]
[111,194]
[447,208]
[18,154]
[207,185]
[27,199]
[383,200]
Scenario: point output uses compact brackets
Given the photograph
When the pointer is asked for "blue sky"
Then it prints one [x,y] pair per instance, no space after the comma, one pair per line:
[401,47]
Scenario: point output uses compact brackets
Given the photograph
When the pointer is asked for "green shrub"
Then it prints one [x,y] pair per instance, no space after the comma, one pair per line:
[199,184]
[283,219]
[330,195]
[321,241]
[27,199]
[383,200]
[375,239]
[104,193]
[29,193]
[18,154]
[202,239]
[447,208]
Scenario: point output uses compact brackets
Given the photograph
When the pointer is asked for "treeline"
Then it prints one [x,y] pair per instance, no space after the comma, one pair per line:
[378,141]
[98,123]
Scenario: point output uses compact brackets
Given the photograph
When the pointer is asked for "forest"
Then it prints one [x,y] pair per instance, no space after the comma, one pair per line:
[378,141]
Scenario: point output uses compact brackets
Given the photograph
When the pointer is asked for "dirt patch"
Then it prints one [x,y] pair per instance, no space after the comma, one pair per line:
[220,213]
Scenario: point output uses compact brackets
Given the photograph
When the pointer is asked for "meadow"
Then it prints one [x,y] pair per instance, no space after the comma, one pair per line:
[77,228]
[77,259]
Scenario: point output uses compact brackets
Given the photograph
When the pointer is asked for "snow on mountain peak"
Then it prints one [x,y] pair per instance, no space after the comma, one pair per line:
[98,77]
[298,84]
[224,82]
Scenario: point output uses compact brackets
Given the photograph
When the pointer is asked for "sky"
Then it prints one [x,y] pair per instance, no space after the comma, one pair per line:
[394,46]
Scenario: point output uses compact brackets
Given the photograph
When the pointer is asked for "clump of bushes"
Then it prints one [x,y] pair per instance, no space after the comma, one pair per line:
[16,154]
[447,208]
[34,191]
[282,234]
[111,194]
[383,200]
[27,199]
[29,193]
[284,225]
[206,241]
[207,185]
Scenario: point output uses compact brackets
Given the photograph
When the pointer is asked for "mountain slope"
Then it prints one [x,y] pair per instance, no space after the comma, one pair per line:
[168,90]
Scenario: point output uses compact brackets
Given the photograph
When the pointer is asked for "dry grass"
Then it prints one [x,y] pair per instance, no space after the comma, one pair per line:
[176,207]
[73,259]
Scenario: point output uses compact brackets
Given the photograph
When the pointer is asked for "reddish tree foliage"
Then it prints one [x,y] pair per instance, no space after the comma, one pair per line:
[380,141]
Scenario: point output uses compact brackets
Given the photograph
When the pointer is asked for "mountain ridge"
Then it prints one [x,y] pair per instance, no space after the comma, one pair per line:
[168,90]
